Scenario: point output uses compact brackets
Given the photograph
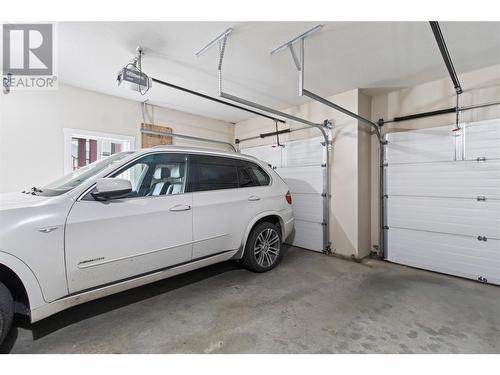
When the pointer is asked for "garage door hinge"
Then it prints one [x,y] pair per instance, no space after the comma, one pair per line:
[386,227]
[482,279]
[481,158]
[385,164]
[482,238]
[481,198]
[323,165]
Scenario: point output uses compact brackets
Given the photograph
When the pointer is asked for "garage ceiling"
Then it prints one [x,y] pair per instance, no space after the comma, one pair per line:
[342,56]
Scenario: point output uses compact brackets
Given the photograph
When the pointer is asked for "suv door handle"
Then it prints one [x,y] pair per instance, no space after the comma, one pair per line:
[180,207]
[253,198]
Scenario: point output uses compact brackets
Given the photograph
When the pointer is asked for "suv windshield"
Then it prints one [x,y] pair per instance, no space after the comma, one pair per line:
[76,178]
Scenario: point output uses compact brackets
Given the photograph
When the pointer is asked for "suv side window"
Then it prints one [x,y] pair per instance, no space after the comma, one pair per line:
[154,175]
[212,173]
[216,173]
[245,179]
[261,178]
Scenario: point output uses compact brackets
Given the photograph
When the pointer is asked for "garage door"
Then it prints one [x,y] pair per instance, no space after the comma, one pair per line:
[301,164]
[443,200]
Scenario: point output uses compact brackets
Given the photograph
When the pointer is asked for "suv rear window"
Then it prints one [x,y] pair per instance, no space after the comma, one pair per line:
[217,173]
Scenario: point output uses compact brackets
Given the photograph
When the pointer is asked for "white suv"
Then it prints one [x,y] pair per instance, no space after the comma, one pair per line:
[135,218]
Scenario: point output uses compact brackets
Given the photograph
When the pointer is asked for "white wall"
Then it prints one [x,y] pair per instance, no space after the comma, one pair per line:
[480,86]
[31,129]
[364,178]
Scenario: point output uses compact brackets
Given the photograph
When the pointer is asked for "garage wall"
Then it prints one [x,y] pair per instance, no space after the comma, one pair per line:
[346,216]
[480,86]
[364,177]
[31,129]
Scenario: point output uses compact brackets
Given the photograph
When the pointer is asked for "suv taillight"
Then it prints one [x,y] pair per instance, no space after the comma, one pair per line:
[288,197]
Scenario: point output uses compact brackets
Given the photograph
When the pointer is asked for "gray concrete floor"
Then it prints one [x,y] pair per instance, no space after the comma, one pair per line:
[311,303]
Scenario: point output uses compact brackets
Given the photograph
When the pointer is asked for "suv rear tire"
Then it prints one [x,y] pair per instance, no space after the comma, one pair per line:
[6,311]
[263,249]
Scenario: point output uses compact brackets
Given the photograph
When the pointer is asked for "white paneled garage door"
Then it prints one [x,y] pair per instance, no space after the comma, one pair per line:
[443,200]
[300,164]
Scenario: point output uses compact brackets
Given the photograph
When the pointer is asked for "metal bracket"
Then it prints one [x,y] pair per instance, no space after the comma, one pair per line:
[299,63]
[223,35]
[481,158]
[482,238]
[294,57]
[481,198]
[221,40]
[297,38]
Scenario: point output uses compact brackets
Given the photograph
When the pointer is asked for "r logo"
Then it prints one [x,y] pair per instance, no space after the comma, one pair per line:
[28,49]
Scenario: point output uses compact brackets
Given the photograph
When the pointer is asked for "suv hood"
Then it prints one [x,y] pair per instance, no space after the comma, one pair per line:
[20,200]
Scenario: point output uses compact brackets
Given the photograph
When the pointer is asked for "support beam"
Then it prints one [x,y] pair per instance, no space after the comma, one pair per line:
[446,55]
[204,96]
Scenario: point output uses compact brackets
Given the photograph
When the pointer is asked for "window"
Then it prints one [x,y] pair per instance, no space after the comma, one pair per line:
[212,173]
[135,174]
[245,178]
[156,175]
[216,173]
[261,177]
[82,147]
[77,177]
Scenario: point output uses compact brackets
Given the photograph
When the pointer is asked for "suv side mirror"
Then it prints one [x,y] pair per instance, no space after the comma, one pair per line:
[111,188]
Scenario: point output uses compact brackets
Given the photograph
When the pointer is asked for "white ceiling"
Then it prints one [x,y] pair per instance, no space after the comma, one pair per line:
[340,57]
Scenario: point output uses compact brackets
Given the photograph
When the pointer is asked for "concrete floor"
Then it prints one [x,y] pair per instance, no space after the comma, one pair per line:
[311,303]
